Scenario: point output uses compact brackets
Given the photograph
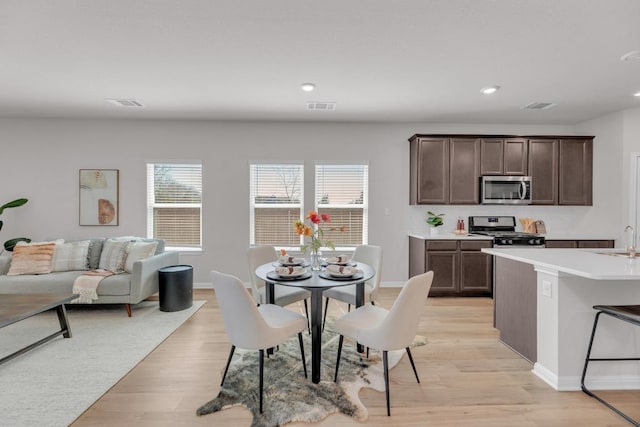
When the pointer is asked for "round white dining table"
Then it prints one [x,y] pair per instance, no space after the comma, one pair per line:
[316,285]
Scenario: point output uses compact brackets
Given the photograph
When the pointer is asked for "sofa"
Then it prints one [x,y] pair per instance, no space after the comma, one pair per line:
[136,275]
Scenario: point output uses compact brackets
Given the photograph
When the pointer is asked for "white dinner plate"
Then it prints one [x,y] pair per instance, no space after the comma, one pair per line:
[293,271]
[341,270]
[289,261]
[338,260]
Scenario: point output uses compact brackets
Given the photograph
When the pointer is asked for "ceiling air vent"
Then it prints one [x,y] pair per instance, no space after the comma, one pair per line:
[125,102]
[538,106]
[321,106]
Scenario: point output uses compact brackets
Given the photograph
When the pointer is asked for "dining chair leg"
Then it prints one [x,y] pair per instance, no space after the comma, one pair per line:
[349,308]
[261,376]
[413,365]
[335,377]
[385,362]
[226,368]
[304,362]
[326,308]
[306,311]
[367,352]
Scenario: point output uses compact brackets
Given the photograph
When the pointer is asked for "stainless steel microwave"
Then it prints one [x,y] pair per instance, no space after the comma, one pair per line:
[505,190]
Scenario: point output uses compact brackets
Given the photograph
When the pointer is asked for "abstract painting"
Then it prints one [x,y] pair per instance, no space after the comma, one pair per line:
[99,196]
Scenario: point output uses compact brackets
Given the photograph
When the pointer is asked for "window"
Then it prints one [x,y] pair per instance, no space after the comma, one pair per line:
[174,204]
[276,196]
[342,192]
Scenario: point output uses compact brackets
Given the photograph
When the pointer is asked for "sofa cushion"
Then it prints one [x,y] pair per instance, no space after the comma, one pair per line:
[113,254]
[71,256]
[137,251]
[32,258]
[62,283]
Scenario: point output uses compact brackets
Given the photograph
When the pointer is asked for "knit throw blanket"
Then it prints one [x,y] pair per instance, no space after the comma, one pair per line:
[86,285]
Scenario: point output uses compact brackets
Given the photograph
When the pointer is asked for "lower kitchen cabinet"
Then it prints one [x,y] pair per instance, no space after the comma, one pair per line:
[459,268]
[555,244]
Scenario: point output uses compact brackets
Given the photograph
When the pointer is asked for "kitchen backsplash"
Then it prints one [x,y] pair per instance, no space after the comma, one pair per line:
[559,220]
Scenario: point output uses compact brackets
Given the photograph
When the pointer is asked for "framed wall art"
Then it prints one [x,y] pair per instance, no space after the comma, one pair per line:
[99,190]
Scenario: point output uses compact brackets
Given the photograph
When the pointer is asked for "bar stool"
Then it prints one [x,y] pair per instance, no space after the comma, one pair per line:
[626,313]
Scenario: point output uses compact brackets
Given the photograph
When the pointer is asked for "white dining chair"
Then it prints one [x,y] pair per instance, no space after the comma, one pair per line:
[254,327]
[395,329]
[370,255]
[284,295]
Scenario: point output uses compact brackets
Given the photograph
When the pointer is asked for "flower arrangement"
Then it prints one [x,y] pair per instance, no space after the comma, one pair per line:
[316,232]
[435,220]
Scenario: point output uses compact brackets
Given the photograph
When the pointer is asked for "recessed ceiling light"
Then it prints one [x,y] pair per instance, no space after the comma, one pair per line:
[308,87]
[124,102]
[489,89]
[637,94]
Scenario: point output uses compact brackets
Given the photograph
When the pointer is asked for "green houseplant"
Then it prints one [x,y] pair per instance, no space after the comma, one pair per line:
[11,243]
[435,221]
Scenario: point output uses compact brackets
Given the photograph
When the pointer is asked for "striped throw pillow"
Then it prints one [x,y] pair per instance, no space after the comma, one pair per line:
[113,255]
[71,256]
[31,259]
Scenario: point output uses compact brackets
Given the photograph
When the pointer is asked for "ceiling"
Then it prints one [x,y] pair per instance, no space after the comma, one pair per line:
[379,60]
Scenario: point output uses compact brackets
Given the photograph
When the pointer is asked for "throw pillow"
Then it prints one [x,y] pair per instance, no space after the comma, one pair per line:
[137,251]
[31,258]
[71,256]
[113,254]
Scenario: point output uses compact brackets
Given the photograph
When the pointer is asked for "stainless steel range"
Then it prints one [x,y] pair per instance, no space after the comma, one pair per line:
[503,231]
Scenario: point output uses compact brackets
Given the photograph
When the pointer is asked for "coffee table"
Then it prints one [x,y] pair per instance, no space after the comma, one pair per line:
[17,307]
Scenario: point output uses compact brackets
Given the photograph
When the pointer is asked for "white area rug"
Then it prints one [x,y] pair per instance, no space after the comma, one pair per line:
[55,383]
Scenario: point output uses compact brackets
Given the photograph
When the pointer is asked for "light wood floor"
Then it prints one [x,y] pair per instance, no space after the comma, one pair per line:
[468,379]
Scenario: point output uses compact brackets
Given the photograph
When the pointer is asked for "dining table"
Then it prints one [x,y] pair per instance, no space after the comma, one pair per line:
[315,282]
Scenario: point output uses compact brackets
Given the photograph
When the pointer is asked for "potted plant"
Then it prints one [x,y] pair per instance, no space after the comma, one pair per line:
[435,221]
[10,244]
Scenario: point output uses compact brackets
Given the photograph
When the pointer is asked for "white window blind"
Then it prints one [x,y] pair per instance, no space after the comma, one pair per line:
[276,197]
[174,203]
[342,191]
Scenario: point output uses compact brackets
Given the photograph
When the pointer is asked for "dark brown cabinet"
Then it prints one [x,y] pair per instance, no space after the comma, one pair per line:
[543,169]
[429,171]
[560,244]
[575,172]
[460,269]
[503,156]
[464,170]
[446,169]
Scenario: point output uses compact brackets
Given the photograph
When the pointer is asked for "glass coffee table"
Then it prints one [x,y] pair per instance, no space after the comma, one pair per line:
[17,307]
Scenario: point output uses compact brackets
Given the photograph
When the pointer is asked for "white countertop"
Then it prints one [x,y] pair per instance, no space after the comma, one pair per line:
[448,236]
[593,264]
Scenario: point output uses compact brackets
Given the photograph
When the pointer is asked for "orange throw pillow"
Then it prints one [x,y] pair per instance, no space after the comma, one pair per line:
[31,259]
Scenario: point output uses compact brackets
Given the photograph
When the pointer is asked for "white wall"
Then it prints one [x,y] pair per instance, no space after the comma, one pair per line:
[40,160]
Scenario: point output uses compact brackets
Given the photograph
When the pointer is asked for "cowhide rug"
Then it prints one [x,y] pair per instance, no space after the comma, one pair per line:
[289,396]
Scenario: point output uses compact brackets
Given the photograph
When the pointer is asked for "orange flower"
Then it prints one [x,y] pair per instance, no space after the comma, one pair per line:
[308,231]
[343,228]
[283,252]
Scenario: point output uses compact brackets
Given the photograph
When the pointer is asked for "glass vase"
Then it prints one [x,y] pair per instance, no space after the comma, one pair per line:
[316,261]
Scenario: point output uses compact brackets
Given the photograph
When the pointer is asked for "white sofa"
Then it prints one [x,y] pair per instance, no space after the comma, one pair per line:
[125,288]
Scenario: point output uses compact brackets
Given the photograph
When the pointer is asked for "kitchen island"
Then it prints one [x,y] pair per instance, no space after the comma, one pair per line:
[544,302]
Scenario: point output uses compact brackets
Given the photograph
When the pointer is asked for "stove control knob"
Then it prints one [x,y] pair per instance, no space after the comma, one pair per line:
[538,241]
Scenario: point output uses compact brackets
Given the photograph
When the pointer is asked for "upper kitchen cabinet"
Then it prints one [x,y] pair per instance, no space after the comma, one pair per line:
[543,169]
[575,171]
[464,170]
[503,156]
[444,170]
[429,170]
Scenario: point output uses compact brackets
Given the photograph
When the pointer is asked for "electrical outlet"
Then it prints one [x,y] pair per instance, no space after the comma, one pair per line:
[546,288]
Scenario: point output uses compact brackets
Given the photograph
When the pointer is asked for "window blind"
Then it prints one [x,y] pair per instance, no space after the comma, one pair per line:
[341,191]
[174,203]
[276,197]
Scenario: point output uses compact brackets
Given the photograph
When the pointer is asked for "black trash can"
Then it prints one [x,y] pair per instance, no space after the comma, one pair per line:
[176,287]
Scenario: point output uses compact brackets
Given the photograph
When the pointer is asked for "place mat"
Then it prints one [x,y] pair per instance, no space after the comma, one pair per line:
[276,277]
[328,276]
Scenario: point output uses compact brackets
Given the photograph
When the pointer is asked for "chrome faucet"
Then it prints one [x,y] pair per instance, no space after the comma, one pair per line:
[631,245]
